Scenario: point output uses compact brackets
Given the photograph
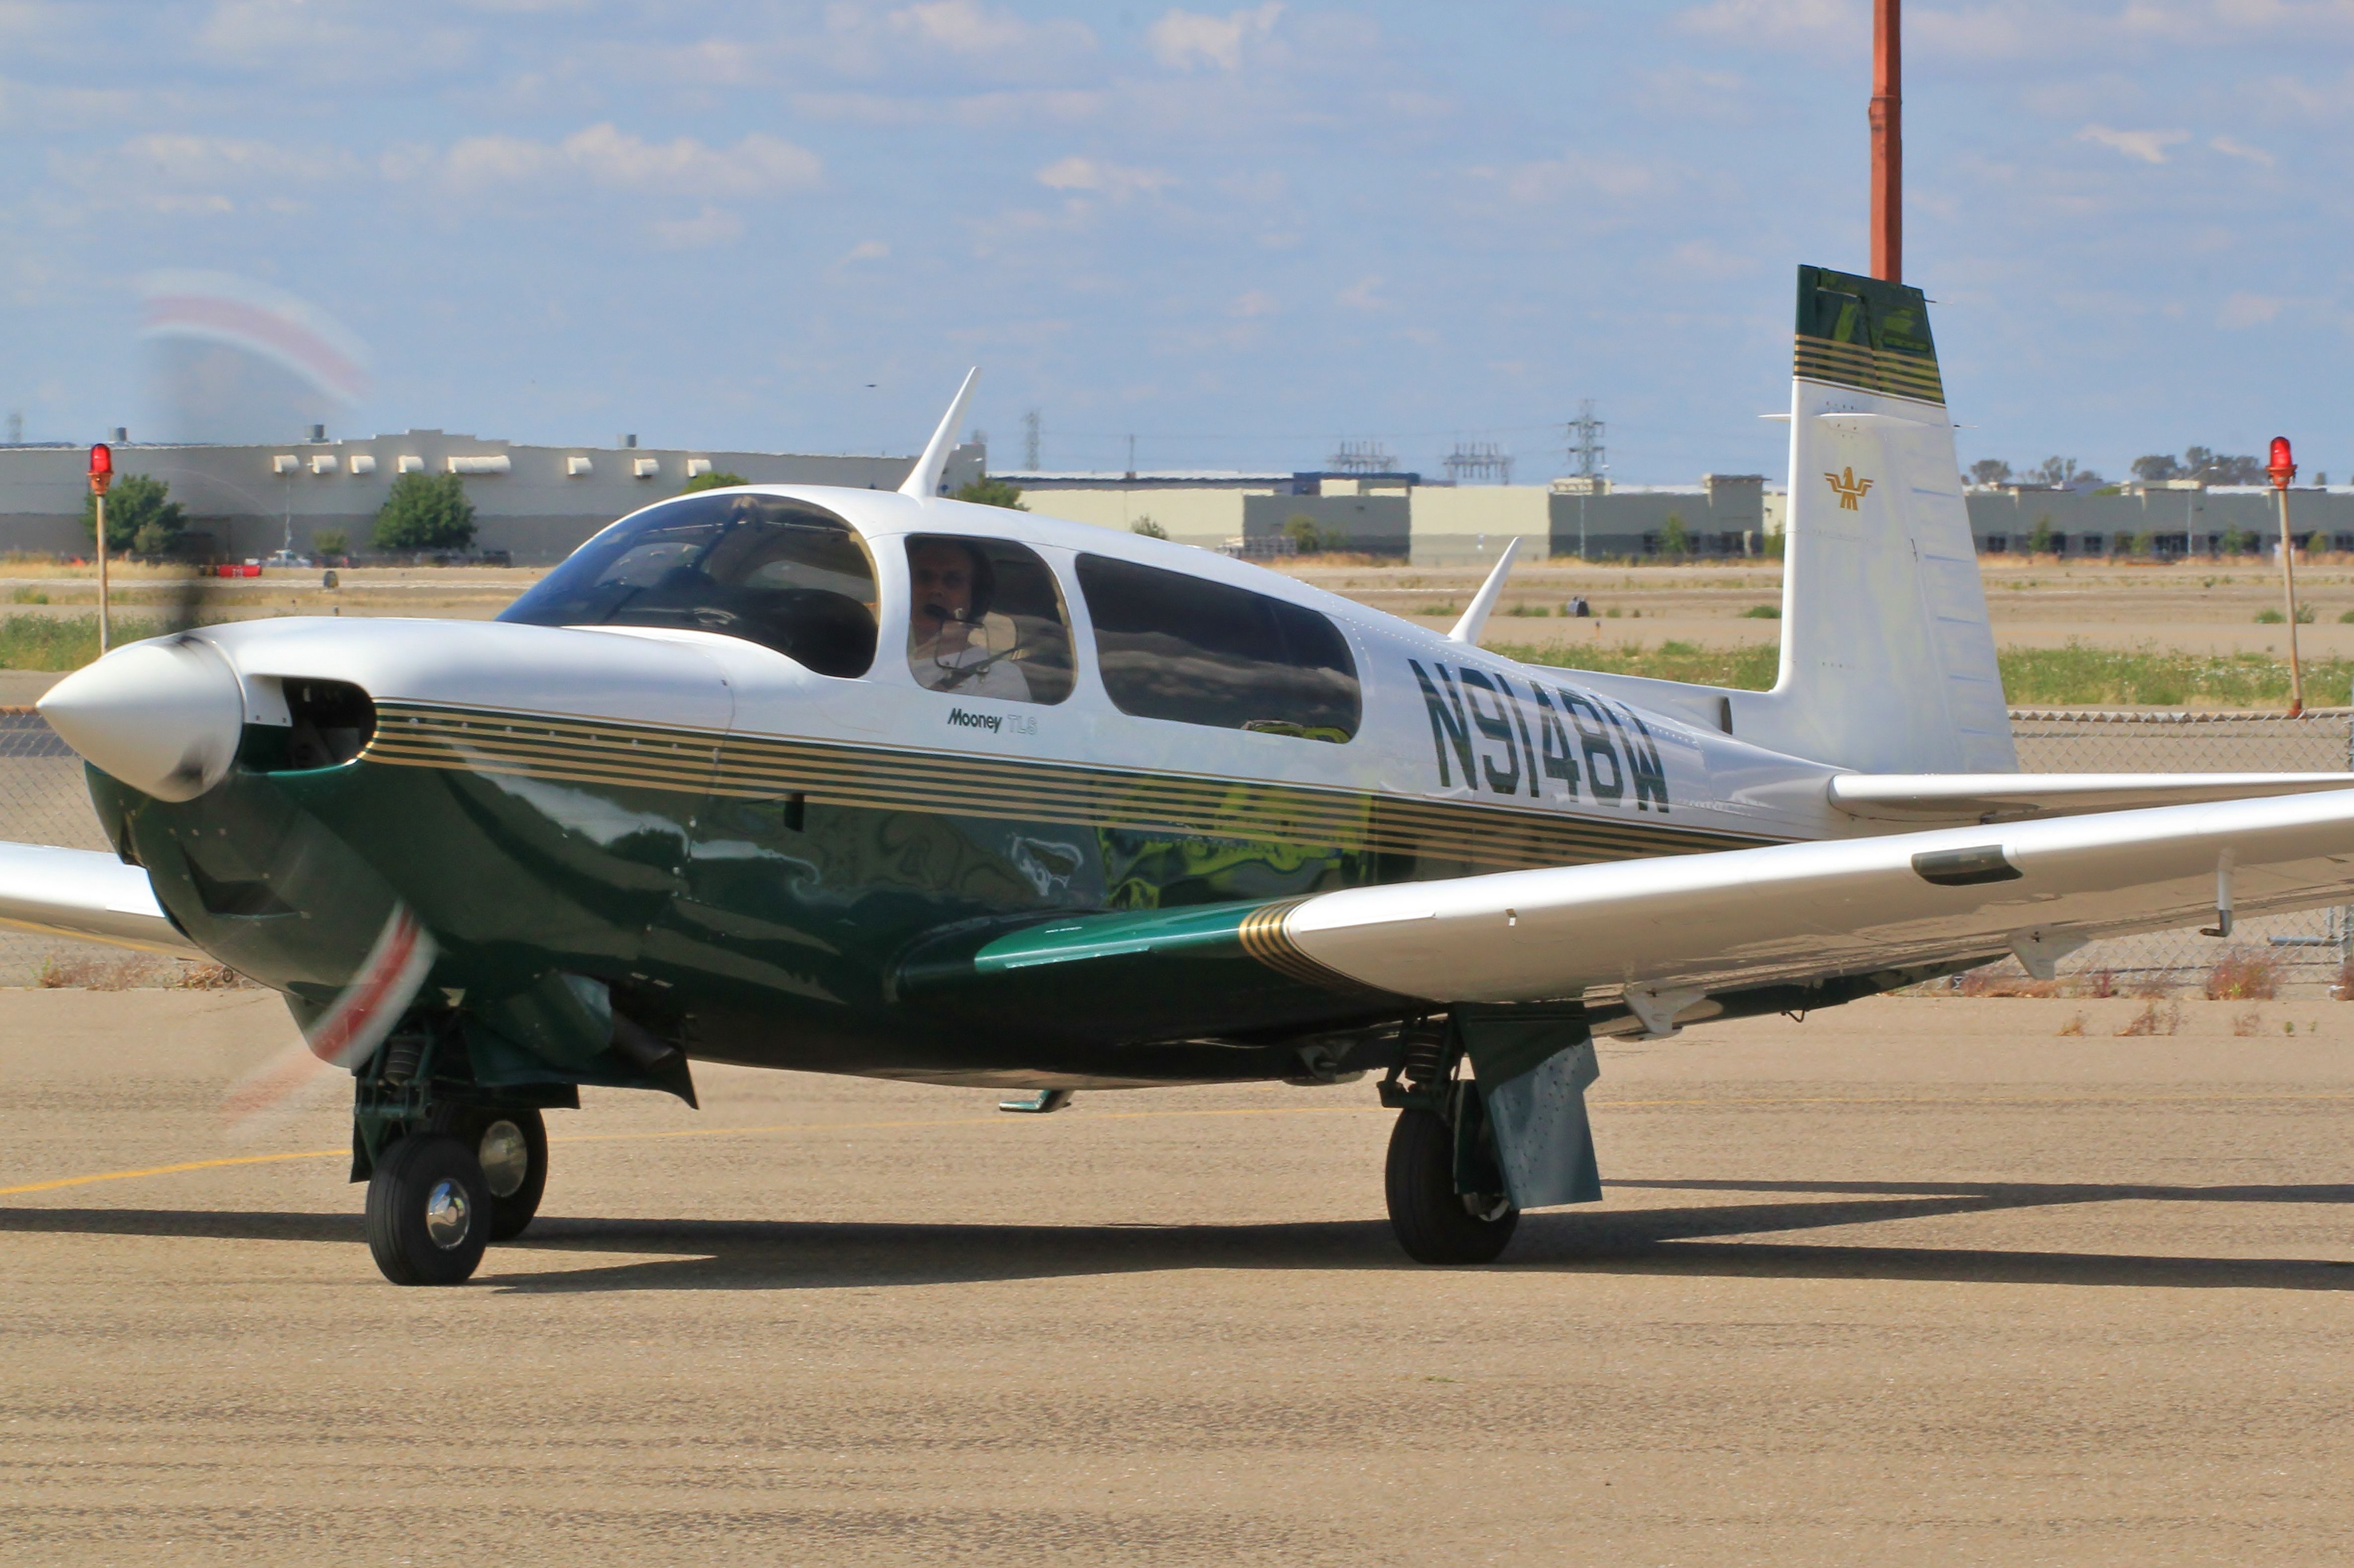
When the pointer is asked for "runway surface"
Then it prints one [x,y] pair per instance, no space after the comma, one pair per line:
[1919,1281]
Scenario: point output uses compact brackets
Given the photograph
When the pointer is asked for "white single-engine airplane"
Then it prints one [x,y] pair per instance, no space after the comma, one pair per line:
[885,784]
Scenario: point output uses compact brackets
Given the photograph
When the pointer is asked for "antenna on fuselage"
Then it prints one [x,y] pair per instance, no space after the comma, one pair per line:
[925,481]
[1475,619]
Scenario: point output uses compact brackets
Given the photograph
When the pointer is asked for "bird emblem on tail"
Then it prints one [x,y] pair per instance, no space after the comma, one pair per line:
[1847,488]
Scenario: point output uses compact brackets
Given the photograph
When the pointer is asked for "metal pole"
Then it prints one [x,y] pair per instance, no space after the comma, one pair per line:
[2288,594]
[1887,144]
[105,628]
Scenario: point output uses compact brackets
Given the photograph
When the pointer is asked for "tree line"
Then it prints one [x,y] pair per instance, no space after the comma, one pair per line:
[2201,463]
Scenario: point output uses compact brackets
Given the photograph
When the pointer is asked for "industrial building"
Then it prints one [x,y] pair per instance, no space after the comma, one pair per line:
[534,503]
[1430,525]
[537,504]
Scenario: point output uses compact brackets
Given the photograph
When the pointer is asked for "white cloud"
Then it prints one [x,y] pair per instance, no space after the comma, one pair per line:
[1581,174]
[329,40]
[1365,295]
[712,226]
[965,27]
[1252,303]
[2245,309]
[1775,21]
[759,165]
[2149,146]
[1078,174]
[864,251]
[2230,147]
[1186,39]
[179,173]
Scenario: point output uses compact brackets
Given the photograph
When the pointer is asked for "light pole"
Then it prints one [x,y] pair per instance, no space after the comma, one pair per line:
[2283,467]
[101,474]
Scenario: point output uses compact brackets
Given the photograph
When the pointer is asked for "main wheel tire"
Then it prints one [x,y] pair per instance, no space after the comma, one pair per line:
[1434,1223]
[429,1210]
[511,1146]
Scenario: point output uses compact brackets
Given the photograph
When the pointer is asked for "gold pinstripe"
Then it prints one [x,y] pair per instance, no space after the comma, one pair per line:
[1263,936]
[1874,370]
[959,783]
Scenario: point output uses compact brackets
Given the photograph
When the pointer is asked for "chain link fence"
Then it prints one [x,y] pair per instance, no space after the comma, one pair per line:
[2308,951]
[43,800]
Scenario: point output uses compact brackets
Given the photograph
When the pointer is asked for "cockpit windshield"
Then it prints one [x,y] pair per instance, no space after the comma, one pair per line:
[778,572]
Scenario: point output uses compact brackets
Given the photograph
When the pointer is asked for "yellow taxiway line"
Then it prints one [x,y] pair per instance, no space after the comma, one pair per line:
[1001,1119]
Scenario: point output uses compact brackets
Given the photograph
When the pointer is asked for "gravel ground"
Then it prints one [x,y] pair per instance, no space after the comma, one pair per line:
[1916,1280]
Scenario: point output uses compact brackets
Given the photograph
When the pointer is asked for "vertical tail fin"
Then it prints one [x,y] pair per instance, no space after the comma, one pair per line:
[1888,664]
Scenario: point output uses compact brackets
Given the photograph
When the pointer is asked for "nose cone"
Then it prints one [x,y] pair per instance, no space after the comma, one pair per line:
[163,717]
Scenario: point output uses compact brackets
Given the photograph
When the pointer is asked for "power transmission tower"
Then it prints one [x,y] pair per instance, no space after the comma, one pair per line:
[1585,450]
[1361,456]
[1030,442]
[1477,461]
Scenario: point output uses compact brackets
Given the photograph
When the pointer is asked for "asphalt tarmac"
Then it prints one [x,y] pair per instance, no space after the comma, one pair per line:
[1916,1281]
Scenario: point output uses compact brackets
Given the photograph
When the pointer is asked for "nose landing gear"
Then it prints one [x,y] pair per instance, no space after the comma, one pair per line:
[429,1210]
[451,1164]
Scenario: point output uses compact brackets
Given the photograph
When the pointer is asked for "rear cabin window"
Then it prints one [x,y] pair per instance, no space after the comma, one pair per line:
[1173,646]
[780,573]
[985,619]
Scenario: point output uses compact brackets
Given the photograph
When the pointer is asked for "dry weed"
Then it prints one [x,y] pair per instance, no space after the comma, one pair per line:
[2243,974]
[2153,985]
[2076,1024]
[97,974]
[2102,982]
[2153,1020]
[2250,1023]
[2000,980]
[210,977]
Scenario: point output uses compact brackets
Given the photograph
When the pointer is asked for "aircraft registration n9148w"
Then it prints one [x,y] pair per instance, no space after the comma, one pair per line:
[887,784]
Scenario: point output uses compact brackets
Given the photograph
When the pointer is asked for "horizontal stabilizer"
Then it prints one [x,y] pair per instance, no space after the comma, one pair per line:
[88,895]
[1999,796]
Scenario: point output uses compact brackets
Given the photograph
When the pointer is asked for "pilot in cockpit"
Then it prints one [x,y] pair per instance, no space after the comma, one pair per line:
[949,648]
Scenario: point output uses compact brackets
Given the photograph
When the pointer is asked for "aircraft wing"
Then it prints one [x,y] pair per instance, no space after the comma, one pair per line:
[1990,797]
[88,895]
[1705,923]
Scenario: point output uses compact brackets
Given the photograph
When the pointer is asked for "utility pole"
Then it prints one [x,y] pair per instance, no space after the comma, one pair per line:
[1030,442]
[1887,144]
[2281,470]
[101,474]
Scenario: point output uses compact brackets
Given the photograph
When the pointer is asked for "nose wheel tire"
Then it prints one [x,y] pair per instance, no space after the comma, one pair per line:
[511,1146]
[1434,1223]
[429,1210]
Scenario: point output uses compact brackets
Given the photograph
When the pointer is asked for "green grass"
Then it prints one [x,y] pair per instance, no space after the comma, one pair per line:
[1749,669]
[67,643]
[1762,612]
[2074,676]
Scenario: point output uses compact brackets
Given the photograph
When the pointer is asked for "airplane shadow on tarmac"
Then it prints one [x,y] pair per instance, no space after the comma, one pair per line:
[1700,1240]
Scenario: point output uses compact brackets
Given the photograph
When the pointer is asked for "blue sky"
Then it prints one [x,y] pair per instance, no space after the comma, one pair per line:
[1240,235]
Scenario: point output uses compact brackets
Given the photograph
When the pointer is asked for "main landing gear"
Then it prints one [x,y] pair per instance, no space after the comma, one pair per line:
[1445,1186]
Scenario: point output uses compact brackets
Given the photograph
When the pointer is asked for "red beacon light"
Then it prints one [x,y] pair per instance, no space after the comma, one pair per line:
[2283,467]
[101,468]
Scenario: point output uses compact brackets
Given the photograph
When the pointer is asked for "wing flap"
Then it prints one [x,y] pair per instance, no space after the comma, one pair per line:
[1797,911]
[1985,797]
[87,894]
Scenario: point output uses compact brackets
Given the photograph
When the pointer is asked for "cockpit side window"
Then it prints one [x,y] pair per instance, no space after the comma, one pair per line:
[1171,645]
[778,572]
[985,619]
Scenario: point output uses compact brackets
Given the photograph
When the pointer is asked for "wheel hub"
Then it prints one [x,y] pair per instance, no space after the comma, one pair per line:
[505,1158]
[448,1215]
